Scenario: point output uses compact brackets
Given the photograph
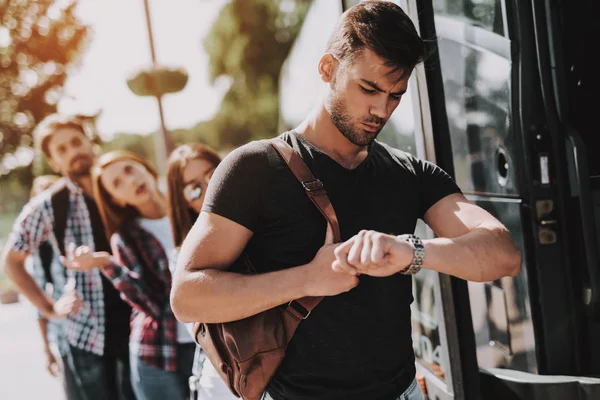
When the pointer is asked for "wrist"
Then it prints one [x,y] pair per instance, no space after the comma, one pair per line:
[416,263]
[106,262]
[304,284]
[48,311]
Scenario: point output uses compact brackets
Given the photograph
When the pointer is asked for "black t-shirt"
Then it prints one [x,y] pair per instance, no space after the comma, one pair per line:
[117,312]
[356,345]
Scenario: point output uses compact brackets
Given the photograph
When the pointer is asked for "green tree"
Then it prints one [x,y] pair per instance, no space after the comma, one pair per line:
[248,43]
[40,41]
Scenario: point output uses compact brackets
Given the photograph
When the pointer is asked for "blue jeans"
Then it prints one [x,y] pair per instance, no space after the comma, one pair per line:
[412,393]
[71,384]
[99,377]
[151,383]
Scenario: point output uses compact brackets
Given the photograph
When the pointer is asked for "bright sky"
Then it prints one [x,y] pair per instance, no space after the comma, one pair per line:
[120,46]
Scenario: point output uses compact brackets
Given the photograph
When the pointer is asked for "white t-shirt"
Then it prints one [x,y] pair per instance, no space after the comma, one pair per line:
[161,230]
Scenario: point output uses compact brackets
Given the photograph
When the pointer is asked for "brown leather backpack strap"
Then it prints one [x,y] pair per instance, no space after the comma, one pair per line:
[313,187]
[300,309]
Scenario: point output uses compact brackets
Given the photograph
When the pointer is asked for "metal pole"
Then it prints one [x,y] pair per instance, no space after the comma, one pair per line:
[162,142]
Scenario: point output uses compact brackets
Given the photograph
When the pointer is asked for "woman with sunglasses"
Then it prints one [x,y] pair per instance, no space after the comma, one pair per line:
[134,212]
[189,170]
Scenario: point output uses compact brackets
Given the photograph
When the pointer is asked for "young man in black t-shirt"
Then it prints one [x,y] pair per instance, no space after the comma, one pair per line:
[356,344]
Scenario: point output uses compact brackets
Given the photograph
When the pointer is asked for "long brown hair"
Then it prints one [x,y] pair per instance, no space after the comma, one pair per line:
[181,215]
[113,215]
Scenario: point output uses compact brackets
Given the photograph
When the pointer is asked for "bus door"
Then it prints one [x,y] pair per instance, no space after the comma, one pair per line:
[495,98]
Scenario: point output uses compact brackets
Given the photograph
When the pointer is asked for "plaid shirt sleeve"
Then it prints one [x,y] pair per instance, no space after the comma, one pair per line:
[33,226]
[125,276]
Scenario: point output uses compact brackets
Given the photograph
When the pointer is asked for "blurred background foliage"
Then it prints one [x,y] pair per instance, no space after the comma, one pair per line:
[40,44]
[42,41]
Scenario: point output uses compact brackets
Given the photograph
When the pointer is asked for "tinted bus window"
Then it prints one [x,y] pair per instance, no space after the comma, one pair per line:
[485,14]
[399,132]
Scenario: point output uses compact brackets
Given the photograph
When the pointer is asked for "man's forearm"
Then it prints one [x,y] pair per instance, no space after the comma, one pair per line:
[213,295]
[13,266]
[482,255]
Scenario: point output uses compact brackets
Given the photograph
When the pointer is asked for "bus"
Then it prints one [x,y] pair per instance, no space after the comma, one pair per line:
[503,104]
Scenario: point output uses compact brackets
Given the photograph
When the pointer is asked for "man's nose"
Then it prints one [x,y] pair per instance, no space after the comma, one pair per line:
[379,108]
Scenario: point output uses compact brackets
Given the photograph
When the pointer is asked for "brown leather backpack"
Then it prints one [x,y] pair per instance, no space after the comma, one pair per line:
[247,353]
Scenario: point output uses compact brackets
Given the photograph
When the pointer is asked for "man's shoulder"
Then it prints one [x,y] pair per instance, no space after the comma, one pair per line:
[38,204]
[402,158]
[55,192]
[43,204]
[252,156]
[251,151]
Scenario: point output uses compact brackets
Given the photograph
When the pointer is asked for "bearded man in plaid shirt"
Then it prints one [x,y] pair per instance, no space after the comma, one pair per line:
[97,325]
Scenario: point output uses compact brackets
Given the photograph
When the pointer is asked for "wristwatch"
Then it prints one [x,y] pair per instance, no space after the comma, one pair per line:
[418,255]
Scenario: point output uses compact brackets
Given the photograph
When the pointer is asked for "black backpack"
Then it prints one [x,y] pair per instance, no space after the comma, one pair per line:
[60,208]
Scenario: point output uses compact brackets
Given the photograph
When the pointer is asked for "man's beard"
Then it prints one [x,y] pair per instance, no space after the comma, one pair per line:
[83,169]
[343,122]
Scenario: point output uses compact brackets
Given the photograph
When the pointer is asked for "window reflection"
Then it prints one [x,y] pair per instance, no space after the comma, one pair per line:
[477,92]
[486,14]
[425,323]
[399,132]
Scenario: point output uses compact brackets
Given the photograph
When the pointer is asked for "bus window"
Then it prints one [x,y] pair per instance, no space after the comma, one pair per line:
[399,132]
[476,68]
[426,315]
[486,14]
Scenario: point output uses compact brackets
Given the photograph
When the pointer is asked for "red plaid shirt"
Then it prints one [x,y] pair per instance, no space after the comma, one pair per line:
[142,275]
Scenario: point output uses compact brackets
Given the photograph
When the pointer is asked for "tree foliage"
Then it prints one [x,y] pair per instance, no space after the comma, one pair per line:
[248,44]
[40,41]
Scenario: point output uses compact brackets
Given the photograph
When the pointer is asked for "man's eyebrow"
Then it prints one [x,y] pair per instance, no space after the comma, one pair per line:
[377,88]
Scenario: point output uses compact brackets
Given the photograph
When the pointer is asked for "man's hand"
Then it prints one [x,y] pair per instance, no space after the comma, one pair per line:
[83,258]
[51,363]
[373,253]
[324,281]
[69,303]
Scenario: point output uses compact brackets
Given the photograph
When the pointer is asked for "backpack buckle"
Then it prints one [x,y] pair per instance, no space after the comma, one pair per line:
[297,310]
[311,186]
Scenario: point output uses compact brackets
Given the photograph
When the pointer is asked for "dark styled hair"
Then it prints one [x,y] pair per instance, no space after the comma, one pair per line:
[382,27]
[181,215]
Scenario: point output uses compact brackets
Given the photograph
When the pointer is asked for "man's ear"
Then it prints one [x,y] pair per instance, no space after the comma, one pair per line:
[327,65]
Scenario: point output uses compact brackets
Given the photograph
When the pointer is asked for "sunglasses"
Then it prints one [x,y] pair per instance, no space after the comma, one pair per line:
[193,190]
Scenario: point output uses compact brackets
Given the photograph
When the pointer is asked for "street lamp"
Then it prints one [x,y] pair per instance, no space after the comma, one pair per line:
[162,144]
[156,82]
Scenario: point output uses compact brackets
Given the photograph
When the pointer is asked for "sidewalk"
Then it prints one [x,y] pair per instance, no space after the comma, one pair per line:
[23,374]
